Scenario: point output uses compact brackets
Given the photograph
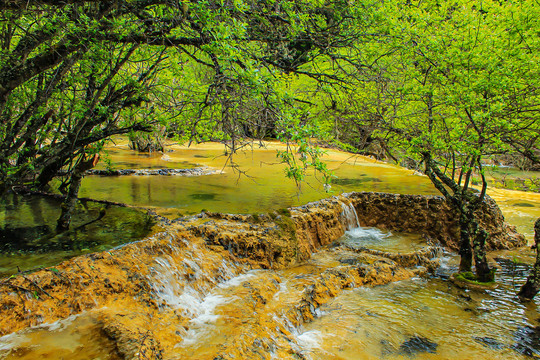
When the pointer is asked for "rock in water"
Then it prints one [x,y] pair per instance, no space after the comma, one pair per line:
[528,341]
[489,342]
[418,344]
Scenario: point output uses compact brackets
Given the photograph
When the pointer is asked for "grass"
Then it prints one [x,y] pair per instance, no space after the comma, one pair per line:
[469,277]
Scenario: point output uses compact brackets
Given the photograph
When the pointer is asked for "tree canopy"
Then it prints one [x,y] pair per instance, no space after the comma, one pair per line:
[439,86]
[73,73]
[461,86]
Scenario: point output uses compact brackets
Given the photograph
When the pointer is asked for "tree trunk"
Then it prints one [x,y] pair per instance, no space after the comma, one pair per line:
[68,206]
[48,173]
[148,142]
[465,249]
[529,290]
[4,165]
[483,271]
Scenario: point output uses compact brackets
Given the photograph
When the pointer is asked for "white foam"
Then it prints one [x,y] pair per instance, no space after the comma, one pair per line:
[11,341]
[164,282]
[238,280]
[350,218]
[310,340]
[14,340]
[362,233]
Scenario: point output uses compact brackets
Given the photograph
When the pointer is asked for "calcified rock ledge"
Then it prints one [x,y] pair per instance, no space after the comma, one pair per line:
[140,297]
[198,171]
[432,217]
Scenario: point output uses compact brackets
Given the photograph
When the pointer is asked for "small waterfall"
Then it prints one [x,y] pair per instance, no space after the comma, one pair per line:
[349,216]
[183,279]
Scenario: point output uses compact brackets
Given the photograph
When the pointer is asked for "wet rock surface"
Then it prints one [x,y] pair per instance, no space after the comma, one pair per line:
[489,342]
[418,344]
[198,171]
[431,216]
[528,341]
[161,296]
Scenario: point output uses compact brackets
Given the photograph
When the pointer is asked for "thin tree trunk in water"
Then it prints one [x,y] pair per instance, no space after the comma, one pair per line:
[48,173]
[69,203]
[68,206]
[465,250]
[483,271]
[529,290]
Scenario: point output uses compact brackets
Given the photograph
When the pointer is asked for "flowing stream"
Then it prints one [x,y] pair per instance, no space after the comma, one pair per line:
[418,318]
[428,319]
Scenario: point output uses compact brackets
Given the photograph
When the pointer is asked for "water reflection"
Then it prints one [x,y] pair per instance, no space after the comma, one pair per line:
[419,318]
[261,186]
[28,239]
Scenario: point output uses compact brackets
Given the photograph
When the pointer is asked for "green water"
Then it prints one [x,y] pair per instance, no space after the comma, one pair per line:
[255,183]
[122,158]
[28,240]
[413,319]
[251,182]
[381,240]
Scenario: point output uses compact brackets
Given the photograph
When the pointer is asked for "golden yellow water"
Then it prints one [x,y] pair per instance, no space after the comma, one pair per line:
[253,181]
[363,323]
[373,323]
[77,337]
[519,208]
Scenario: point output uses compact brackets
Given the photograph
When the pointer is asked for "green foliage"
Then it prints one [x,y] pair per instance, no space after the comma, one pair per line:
[109,166]
[303,154]
[469,277]
[74,74]
[532,184]
[457,80]
[452,82]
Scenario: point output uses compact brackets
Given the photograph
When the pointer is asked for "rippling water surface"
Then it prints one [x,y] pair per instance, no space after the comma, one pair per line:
[420,318]
[426,318]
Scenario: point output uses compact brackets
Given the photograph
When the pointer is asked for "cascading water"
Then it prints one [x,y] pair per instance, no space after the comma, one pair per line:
[206,303]
[425,318]
[349,216]
[213,307]
[376,239]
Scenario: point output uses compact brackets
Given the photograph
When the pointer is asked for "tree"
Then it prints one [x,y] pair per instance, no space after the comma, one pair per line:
[478,90]
[458,83]
[73,73]
[531,287]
